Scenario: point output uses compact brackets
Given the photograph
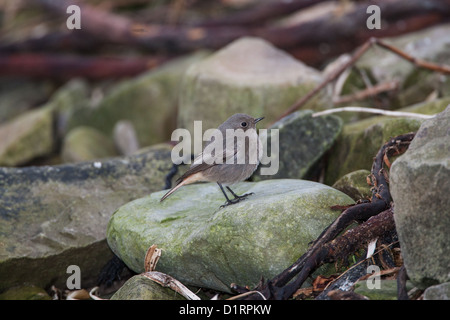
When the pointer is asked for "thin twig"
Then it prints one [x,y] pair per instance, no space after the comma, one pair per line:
[418,62]
[368,92]
[358,263]
[331,251]
[168,281]
[356,56]
[242,295]
[380,273]
[359,52]
[329,246]
[94,294]
[373,110]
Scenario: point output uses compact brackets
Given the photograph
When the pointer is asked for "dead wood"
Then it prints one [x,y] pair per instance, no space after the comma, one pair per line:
[418,62]
[369,92]
[376,219]
[65,67]
[355,57]
[345,295]
[341,31]
[339,248]
[260,13]
[402,292]
[57,41]
[345,279]
[170,282]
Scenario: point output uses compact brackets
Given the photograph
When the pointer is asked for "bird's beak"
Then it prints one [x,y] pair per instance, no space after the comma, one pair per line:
[258,119]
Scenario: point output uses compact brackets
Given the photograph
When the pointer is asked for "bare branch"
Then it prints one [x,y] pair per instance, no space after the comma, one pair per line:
[373,110]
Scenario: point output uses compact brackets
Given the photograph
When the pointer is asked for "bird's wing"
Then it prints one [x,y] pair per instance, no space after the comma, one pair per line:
[203,162]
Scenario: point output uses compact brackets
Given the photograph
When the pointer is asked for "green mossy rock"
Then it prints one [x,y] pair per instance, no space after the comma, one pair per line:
[26,137]
[354,184]
[206,246]
[430,44]
[85,143]
[303,140]
[359,142]
[387,289]
[18,95]
[140,287]
[149,101]
[247,76]
[55,216]
[25,292]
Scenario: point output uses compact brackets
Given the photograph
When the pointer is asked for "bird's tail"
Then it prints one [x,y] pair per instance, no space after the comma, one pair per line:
[180,184]
[187,178]
[169,192]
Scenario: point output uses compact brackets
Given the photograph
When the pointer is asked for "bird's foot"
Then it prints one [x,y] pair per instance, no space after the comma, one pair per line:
[244,196]
[236,199]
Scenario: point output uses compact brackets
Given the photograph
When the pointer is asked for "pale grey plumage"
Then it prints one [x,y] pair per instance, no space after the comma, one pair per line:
[226,173]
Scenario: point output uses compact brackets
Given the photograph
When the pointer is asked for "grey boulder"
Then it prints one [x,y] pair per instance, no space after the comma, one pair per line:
[52,217]
[420,185]
[208,246]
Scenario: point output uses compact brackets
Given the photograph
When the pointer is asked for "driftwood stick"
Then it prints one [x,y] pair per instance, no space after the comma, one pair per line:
[418,62]
[259,13]
[355,57]
[333,28]
[66,67]
[338,248]
[56,41]
[331,77]
[168,281]
[328,248]
[368,92]
[373,110]
[345,295]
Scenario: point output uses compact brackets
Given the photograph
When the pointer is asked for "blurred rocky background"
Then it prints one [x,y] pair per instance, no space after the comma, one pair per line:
[86,117]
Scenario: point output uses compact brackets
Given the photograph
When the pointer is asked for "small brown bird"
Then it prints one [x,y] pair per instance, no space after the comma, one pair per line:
[220,169]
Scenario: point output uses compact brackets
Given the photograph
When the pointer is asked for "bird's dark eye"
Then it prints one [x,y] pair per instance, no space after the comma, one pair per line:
[243,124]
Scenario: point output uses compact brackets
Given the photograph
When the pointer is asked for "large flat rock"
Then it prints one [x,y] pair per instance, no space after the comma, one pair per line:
[55,216]
[208,246]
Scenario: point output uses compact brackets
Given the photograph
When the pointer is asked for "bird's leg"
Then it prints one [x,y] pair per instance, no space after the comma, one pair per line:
[228,202]
[236,197]
[224,193]
[239,197]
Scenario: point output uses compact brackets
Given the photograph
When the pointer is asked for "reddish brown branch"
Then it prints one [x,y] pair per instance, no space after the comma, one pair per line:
[351,241]
[66,67]
[376,218]
[418,62]
[55,41]
[369,92]
[335,29]
[355,57]
[331,77]
[260,13]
